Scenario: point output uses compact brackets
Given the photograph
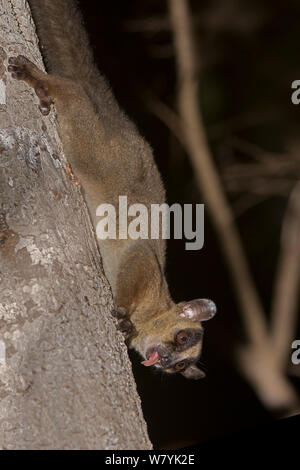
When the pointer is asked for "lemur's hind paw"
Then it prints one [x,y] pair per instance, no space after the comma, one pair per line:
[22,69]
[124,324]
[18,67]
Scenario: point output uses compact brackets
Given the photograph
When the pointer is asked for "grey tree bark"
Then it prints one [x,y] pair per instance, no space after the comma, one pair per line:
[65,377]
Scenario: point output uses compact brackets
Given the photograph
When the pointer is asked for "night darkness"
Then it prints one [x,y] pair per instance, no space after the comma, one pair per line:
[248,59]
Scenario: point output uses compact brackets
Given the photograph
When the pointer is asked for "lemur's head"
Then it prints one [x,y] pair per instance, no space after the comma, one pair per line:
[176,338]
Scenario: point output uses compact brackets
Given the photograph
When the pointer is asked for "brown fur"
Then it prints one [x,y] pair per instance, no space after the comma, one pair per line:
[110,159]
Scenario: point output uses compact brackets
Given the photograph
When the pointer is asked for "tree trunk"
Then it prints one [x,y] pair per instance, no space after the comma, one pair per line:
[65,377]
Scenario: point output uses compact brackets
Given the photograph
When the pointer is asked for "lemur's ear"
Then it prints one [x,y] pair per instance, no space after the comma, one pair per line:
[193,372]
[198,310]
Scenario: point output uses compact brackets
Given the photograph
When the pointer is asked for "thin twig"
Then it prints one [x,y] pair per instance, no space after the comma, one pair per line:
[169,117]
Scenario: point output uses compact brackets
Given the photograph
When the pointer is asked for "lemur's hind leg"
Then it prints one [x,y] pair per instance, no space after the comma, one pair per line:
[22,69]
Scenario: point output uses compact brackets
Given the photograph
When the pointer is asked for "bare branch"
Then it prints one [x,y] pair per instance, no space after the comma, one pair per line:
[206,173]
[284,311]
[268,174]
[257,359]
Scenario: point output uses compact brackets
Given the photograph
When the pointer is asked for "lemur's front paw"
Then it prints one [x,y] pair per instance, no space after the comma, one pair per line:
[123,323]
[22,69]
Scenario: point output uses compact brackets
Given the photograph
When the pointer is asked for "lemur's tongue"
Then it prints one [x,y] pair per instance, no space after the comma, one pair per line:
[152,359]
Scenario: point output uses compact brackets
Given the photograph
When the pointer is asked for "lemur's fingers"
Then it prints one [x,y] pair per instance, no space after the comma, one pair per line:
[119,313]
[126,327]
[123,323]
[16,72]
[19,60]
[22,69]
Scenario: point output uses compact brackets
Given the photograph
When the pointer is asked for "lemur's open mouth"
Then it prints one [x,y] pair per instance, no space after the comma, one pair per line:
[152,357]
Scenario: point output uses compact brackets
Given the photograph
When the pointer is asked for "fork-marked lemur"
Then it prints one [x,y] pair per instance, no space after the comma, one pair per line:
[110,158]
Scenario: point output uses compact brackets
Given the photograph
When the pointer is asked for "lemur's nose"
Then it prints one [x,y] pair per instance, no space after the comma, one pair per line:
[164,357]
[164,361]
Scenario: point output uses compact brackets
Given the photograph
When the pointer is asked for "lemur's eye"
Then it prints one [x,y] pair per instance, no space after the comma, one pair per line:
[182,337]
[180,365]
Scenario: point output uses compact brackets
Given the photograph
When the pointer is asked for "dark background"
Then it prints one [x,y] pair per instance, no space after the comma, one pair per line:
[248,54]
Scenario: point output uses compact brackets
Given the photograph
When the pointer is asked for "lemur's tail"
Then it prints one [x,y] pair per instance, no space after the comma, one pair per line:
[63,39]
[66,50]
